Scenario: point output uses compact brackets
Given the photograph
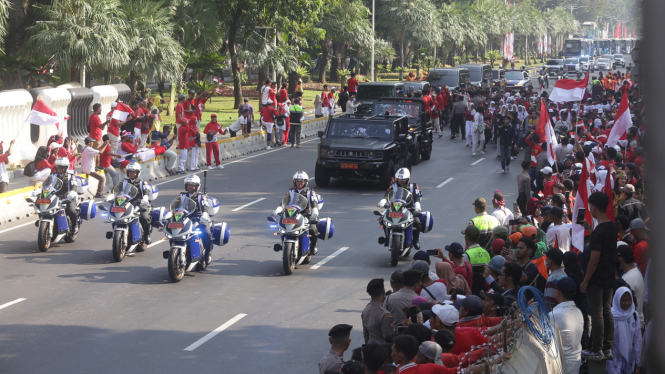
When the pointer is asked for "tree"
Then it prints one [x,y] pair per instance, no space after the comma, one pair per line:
[153,53]
[4,14]
[81,33]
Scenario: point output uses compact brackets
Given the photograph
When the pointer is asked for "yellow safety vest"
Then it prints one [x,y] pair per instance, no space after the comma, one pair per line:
[478,256]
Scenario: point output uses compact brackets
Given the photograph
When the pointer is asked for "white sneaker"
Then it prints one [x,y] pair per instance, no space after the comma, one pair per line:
[220,167]
[268,147]
[512,158]
[210,167]
[503,171]
[473,154]
[482,152]
[507,168]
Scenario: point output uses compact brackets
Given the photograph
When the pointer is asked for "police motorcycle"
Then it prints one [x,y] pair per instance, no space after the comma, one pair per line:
[54,224]
[188,252]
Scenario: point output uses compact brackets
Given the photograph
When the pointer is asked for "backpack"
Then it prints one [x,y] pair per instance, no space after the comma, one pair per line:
[30,168]
[279,121]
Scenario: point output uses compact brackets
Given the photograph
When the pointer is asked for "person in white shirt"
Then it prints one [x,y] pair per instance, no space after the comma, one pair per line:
[88,163]
[352,104]
[435,291]
[558,233]
[632,276]
[265,92]
[240,124]
[568,318]
[503,214]
[4,159]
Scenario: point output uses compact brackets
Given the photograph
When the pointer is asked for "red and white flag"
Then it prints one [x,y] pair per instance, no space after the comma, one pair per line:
[622,123]
[609,182]
[569,90]
[545,131]
[42,115]
[121,112]
[582,202]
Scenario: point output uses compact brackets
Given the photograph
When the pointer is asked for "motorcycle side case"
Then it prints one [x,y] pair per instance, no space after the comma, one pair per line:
[81,185]
[157,216]
[221,234]
[88,210]
[408,236]
[426,222]
[304,244]
[194,247]
[134,231]
[61,222]
[326,228]
[213,206]
[155,192]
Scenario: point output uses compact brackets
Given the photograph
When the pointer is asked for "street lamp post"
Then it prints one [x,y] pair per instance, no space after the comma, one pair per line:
[274,41]
[373,11]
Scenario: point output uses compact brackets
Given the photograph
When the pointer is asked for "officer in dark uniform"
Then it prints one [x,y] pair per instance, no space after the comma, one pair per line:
[377,320]
[311,212]
[402,180]
[339,341]
[67,192]
[200,214]
[142,199]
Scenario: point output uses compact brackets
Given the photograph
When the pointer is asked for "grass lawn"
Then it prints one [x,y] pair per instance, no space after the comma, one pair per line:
[226,115]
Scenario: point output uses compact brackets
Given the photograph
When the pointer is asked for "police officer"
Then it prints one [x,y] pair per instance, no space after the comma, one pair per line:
[67,193]
[142,199]
[402,180]
[200,214]
[477,257]
[484,222]
[311,212]
[339,341]
[377,320]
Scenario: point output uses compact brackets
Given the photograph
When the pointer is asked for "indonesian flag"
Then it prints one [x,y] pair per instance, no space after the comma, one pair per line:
[544,118]
[569,90]
[121,112]
[545,130]
[215,79]
[621,124]
[42,115]
[607,189]
[581,201]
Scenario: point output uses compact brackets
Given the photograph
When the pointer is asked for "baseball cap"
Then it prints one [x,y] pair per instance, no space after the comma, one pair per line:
[421,255]
[353,367]
[181,96]
[471,302]
[446,313]
[497,297]
[500,231]
[114,104]
[421,266]
[88,140]
[626,252]
[498,244]
[629,188]
[471,230]
[529,231]
[430,350]
[480,202]
[455,248]
[124,133]
[565,285]
[546,170]
[637,223]
[545,210]
[269,101]
[213,115]
[496,263]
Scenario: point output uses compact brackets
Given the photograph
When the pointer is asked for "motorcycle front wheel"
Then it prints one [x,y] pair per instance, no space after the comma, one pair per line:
[119,246]
[395,249]
[43,241]
[176,271]
[289,258]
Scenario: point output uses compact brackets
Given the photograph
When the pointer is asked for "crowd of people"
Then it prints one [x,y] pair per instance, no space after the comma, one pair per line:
[577,233]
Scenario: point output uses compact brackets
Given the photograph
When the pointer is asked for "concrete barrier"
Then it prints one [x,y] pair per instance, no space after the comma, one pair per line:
[15,207]
[15,106]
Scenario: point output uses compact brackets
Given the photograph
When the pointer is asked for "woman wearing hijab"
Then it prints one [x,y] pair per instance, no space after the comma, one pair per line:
[444,270]
[42,166]
[318,109]
[627,349]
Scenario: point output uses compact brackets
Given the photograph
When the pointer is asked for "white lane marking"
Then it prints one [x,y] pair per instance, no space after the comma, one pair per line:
[232,162]
[160,241]
[16,227]
[248,204]
[3,306]
[323,262]
[444,183]
[477,162]
[216,331]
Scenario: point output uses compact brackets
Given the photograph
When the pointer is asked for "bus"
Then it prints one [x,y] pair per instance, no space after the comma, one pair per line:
[578,47]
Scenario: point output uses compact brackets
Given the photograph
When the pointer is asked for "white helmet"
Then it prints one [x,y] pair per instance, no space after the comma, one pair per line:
[300,176]
[403,173]
[134,166]
[193,179]
[62,162]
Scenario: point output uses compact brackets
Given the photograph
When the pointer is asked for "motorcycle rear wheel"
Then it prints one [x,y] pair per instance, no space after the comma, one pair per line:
[119,246]
[288,258]
[176,271]
[395,249]
[43,240]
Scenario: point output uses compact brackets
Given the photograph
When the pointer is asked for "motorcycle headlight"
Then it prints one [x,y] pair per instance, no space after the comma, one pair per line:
[388,224]
[281,230]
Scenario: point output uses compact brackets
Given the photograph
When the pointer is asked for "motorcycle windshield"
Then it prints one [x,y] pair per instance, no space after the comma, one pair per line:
[400,195]
[183,203]
[53,183]
[297,201]
[125,189]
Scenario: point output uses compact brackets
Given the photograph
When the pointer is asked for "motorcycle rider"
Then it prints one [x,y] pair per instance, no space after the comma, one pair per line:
[200,214]
[67,192]
[311,212]
[544,79]
[133,172]
[402,180]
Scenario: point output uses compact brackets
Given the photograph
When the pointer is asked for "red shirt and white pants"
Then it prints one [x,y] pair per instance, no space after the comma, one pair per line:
[183,146]
[212,148]
[113,132]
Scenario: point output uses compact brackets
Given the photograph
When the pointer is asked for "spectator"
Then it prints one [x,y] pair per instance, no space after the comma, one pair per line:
[296,116]
[600,277]
[325,101]
[212,148]
[170,156]
[501,213]
[396,282]
[446,317]
[553,261]
[373,357]
[240,125]
[265,92]
[630,206]
[183,145]
[459,261]
[283,95]
[343,98]
[429,353]
[318,107]
[340,340]
[55,141]
[285,112]
[352,84]
[477,256]
[105,158]
[640,243]
[558,233]
[194,143]
[96,128]
[268,114]
[484,222]
[4,159]
[523,186]
[570,322]
[88,163]
[250,118]
[377,320]
[626,353]
[432,290]
[471,313]
[492,271]
[623,226]
[43,167]
[633,277]
[509,279]
[422,255]
[492,304]
[397,301]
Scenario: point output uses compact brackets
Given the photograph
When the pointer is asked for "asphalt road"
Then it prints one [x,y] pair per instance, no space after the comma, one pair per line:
[74,310]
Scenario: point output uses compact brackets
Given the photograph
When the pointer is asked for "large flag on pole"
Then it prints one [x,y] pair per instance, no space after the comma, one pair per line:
[621,124]
[544,118]
[581,201]
[121,112]
[546,132]
[569,89]
[610,193]
[42,115]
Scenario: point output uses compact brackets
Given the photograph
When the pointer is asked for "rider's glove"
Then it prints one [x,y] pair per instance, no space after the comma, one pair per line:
[278,210]
[145,203]
[416,205]
[382,203]
[205,219]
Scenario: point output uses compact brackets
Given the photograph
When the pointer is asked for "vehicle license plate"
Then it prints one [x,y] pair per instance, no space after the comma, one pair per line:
[349,166]
[176,225]
[289,221]
[43,201]
[118,209]
[396,215]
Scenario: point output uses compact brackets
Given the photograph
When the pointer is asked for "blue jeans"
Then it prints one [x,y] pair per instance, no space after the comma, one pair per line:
[505,156]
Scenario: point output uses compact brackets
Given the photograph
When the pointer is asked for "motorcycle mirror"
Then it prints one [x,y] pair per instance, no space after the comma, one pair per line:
[102,208]
[168,216]
[377,213]
[271,219]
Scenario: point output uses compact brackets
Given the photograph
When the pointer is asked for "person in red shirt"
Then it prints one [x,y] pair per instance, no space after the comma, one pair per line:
[42,165]
[609,154]
[212,148]
[272,92]
[268,114]
[180,109]
[142,128]
[352,84]
[114,129]
[105,159]
[57,139]
[460,267]
[549,181]
[533,141]
[405,349]
[189,105]
[67,150]
[471,313]
[640,244]
[325,102]
[183,144]
[283,95]
[194,143]
[446,340]
[96,127]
